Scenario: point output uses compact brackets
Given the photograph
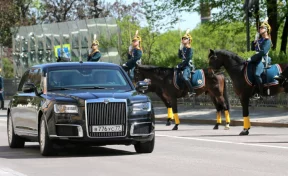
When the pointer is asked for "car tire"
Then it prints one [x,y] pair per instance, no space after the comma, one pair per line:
[146,147]
[14,141]
[46,145]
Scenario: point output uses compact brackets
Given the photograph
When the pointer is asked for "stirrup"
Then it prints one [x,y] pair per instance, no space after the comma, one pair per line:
[191,94]
[280,77]
[256,97]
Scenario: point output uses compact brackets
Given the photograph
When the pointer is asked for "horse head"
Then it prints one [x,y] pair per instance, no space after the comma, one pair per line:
[138,75]
[215,62]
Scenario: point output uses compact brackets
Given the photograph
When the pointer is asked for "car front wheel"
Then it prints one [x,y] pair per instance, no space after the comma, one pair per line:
[146,147]
[46,145]
[14,141]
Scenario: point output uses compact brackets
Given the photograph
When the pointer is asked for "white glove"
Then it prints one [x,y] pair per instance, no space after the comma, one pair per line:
[256,36]
[130,48]
[181,46]
[138,62]
[124,65]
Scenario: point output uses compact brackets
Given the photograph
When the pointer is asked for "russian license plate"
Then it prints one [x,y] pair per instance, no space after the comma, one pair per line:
[107,128]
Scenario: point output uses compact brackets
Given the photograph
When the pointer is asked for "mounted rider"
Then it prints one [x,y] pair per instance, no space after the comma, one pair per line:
[186,53]
[134,55]
[95,54]
[262,45]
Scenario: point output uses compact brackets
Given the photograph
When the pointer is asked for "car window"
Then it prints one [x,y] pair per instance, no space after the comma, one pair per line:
[35,77]
[24,79]
[86,77]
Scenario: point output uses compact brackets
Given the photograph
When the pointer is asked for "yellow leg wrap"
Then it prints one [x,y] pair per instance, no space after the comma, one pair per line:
[218,117]
[170,113]
[247,122]
[227,116]
[176,117]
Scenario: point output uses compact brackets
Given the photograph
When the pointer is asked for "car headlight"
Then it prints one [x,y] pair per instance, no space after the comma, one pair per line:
[59,108]
[142,106]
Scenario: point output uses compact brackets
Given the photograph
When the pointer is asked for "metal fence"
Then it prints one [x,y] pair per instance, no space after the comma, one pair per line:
[280,100]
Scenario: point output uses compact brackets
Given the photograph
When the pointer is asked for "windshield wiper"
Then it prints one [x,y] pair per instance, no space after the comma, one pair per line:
[96,87]
[61,88]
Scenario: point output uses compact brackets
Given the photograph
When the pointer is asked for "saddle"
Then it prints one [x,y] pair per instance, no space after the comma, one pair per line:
[197,79]
[268,74]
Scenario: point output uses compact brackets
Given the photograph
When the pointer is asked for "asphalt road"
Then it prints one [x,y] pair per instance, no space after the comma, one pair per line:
[193,150]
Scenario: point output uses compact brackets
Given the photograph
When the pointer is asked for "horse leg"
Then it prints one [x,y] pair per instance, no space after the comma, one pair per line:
[246,119]
[227,117]
[221,101]
[168,106]
[175,110]
[226,106]
[218,113]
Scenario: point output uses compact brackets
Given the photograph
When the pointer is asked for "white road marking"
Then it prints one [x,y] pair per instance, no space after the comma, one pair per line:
[10,172]
[225,142]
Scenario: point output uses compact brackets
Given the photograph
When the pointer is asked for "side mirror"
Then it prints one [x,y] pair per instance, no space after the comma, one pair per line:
[29,88]
[141,86]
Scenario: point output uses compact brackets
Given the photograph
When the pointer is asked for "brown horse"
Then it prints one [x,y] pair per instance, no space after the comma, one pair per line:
[162,82]
[236,68]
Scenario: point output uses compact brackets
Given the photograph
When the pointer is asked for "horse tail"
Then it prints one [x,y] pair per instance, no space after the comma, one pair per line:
[226,97]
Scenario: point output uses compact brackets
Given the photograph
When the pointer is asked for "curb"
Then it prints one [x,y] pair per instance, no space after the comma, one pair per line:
[232,122]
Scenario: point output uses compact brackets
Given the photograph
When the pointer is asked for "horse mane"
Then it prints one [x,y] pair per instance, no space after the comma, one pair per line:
[232,55]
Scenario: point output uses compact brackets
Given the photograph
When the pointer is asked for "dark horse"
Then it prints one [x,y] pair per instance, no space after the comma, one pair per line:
[235,66]
[161,82]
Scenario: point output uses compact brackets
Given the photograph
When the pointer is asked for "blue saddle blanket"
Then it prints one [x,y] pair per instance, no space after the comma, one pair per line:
[197,80]
[267,78]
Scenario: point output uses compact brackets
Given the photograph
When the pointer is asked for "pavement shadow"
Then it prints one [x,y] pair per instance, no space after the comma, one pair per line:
[229,135]
[33,152]
[275,142]
[181,130]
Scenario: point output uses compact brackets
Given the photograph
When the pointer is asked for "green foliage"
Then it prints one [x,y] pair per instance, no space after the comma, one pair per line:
[164,50]
[278,57]
[8,68]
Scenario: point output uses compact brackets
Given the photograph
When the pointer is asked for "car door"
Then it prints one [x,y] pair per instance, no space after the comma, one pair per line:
[33,101]
[19,106]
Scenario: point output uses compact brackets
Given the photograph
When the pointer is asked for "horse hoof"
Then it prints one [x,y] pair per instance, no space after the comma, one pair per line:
[175,127]
[244,132]
[168,123]
[216,127]
[227,128]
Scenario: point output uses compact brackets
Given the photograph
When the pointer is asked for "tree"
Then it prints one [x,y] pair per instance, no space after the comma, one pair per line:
[7,19]
[70,10]
[8,68]
[285,32]
[120,10]
[230,11]
[14,13]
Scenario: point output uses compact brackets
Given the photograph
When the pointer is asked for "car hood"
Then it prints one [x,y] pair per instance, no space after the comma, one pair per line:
[75,96]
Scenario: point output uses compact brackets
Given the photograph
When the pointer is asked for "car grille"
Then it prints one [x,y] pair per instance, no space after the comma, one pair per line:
[112,113]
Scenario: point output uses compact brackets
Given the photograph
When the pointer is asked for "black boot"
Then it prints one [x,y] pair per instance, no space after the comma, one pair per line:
[190,88]
[260,88]
[2,104]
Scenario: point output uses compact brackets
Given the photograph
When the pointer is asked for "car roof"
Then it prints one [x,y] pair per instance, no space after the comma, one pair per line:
[71,64]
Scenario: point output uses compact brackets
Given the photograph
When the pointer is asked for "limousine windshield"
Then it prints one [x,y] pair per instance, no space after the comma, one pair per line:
[86,78]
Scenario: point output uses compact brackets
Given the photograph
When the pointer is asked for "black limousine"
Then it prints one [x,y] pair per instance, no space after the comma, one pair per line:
[84,103]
